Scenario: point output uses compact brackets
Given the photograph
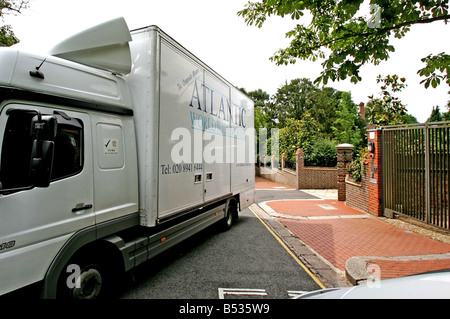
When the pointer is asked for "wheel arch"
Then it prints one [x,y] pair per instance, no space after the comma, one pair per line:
[87,240]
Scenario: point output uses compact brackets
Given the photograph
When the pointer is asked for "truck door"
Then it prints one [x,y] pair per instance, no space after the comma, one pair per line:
[216,148]
[181,183]
[37,221]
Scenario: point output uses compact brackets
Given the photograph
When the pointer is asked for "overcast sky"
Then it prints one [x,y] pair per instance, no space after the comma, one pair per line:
[212,31]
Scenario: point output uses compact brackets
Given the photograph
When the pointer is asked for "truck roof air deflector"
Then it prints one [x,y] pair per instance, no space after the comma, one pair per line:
[104,46]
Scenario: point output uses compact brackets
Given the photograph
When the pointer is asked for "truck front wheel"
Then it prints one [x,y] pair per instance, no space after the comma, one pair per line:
[82,280]
[92,273]
[89,284]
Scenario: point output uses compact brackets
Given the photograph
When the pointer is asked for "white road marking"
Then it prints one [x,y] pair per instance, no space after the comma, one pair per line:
[241,291]
[296,293]
[326,206]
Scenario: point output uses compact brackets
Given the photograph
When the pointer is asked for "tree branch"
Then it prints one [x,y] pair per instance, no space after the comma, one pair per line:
[15,6]
[379,31]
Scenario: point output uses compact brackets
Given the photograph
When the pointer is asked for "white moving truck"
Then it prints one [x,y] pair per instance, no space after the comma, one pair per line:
[113,147]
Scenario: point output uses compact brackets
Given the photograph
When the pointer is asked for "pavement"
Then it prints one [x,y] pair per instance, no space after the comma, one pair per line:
[341,245]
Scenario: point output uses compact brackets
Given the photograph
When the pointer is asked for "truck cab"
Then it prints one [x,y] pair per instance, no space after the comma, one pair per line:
[63,138]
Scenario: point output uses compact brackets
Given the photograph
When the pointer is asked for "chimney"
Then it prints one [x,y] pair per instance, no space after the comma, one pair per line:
[362,112]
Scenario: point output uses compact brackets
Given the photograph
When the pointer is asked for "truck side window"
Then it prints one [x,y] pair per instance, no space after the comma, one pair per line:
[17,145]
[68,158]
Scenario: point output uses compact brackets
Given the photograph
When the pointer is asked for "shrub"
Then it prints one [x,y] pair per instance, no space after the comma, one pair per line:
[356,168]
[322,153]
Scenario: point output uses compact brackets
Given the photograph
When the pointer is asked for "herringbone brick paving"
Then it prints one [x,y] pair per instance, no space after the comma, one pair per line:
[337,233]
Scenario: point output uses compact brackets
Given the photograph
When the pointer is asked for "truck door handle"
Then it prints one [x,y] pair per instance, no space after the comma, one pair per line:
[80,208]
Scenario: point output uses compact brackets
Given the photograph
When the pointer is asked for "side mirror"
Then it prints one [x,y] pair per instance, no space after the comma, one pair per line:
[44,130]
[44,127]
[42,162]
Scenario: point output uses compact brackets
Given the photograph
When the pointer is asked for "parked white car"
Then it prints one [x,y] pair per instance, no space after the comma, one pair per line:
[432,285]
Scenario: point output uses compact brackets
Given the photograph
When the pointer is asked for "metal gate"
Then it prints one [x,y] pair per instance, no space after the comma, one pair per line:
[416,161]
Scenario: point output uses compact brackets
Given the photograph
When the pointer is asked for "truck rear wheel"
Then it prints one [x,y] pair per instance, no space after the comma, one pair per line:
[230,216]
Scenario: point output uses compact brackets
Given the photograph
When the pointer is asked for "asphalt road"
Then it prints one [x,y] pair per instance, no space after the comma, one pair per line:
[244,262]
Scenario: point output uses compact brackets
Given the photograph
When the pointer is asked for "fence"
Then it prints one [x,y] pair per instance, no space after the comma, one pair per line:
[416,161]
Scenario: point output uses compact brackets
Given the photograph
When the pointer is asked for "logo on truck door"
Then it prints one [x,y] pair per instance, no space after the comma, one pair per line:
[9,244]
[111,146]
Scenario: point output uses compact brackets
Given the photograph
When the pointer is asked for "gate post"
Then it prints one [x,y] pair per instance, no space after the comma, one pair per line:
[375,174]
[344,157]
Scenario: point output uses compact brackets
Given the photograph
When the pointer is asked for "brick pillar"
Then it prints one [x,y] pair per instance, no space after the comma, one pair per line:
[300,163]
[375,182]
[283,158]
[274,162]
[344,157]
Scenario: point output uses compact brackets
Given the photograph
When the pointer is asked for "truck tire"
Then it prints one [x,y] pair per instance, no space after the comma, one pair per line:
[230,216]
[93,273]
[82,281]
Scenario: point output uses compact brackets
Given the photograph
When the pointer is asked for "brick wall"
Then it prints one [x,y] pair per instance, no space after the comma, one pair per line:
[357,194]
[367,195]
[283,176]
[304,177]
[317,178]
[314,177]
[344,158]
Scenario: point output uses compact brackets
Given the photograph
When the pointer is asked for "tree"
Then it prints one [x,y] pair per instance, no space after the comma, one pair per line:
[446,116]
[264,114]
[290,138]
[436,115]
[7,37]
[351,41]
[293,99]
[298,134]
[259,97]
[409,119]
[323,109]
[346,125]
[387,109]
[310,132]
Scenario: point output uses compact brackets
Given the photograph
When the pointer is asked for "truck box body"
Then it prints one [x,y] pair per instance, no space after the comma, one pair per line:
[189,121]
[162,141]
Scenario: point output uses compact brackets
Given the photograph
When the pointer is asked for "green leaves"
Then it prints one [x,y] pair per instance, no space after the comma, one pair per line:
[298,134]
[345,126]
[7,37]
[350,40]
[435,63]
[387,109]
[257,12]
